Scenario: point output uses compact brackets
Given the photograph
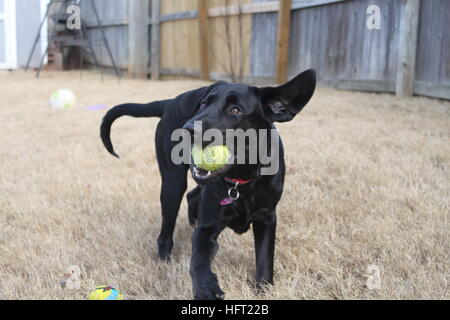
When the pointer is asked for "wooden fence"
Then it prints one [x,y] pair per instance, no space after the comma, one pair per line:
[244,40]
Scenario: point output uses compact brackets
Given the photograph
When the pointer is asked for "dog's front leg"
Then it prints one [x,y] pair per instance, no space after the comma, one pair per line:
[264,234]
[204,247]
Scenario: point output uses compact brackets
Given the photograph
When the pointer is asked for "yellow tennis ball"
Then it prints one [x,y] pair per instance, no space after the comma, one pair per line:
[105,293]
[211,158]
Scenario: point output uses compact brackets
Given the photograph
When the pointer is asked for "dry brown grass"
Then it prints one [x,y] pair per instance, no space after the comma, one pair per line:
[368,183]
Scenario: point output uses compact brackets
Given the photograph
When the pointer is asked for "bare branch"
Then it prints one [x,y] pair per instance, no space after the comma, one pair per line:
[233,40]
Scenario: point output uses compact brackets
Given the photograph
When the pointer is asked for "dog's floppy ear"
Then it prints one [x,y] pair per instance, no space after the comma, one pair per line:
[189,102]
[283,103]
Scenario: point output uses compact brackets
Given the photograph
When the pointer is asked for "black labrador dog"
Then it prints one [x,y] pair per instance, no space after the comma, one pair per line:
[237,195]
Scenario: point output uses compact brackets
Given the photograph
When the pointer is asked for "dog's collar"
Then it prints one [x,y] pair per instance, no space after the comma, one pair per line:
[233,192]
[237,181]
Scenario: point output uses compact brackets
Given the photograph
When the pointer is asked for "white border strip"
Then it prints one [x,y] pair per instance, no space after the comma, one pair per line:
[9,18]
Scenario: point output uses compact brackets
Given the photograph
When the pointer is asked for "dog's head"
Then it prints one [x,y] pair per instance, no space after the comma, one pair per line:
[224,107]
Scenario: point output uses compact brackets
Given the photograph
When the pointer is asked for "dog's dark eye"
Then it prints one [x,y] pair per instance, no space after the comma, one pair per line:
[234,111]
[203,104]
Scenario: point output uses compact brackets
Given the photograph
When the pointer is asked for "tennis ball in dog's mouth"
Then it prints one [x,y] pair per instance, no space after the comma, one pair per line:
[212,158]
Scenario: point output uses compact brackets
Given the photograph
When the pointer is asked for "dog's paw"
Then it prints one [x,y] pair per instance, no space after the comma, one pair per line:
[261,287]
[165,257]
[209,289]
[210,294]
[164,250]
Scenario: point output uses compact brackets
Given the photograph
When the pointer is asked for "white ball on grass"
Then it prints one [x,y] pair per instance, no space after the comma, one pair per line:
[63,99]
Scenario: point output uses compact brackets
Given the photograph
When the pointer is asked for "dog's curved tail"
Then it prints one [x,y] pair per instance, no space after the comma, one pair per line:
[153,109]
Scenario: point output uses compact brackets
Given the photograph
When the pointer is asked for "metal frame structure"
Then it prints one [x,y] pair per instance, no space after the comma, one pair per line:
[81,39]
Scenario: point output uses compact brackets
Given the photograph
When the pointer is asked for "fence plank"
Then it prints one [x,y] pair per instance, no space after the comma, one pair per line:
[183,15]
[155,42]
[180,72]
[429,89]
[284,24]
[138,55]
[263,48]
[409,27]
[364,85]
[266,7]
[302,4]
[258,7]
[108,23]
[204,45]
